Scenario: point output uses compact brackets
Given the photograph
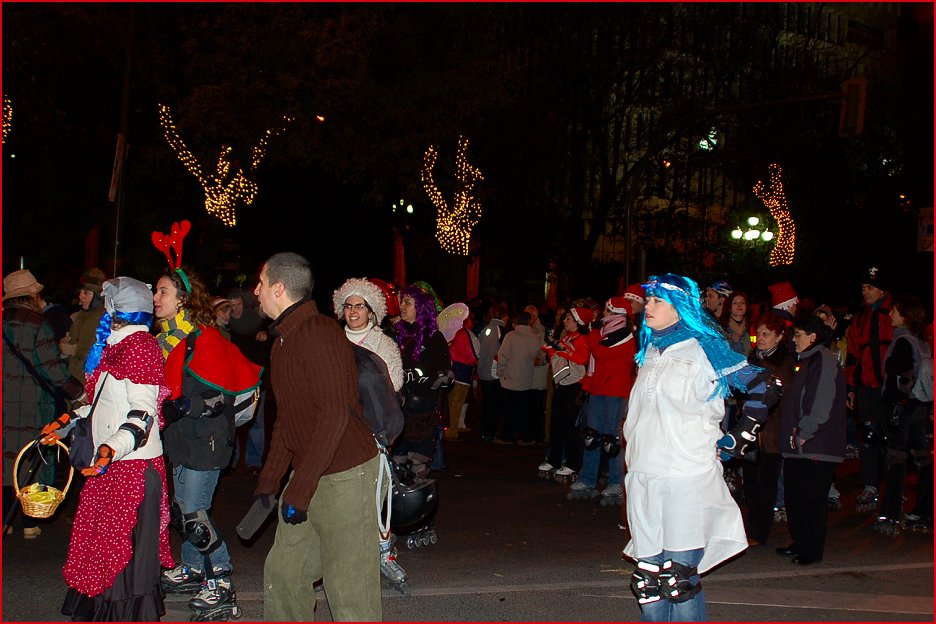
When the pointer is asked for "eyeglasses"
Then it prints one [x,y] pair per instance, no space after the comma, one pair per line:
[798,334]
[355,306]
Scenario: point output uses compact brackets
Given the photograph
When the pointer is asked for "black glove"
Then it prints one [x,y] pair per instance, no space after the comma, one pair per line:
[774,392]
[734,443]
[294,515]
[174,409]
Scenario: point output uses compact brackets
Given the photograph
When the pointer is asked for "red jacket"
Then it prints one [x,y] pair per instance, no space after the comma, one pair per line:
[613,373]
[868,337]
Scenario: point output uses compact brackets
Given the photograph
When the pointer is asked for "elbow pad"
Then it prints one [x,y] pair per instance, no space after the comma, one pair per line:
[138,425]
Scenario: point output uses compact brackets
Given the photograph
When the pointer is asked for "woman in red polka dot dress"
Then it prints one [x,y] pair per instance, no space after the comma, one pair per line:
[120,536]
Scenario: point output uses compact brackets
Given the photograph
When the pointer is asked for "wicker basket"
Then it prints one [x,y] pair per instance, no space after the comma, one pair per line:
[46,505]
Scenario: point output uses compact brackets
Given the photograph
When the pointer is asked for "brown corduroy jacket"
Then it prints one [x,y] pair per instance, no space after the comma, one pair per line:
[319,428]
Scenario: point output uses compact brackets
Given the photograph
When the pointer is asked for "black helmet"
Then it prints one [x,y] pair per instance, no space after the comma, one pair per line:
[412,503]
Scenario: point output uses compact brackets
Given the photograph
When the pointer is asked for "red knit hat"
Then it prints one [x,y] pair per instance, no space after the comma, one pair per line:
[635,292]
[390,292]
[782,296]
[582,316]
[618,305]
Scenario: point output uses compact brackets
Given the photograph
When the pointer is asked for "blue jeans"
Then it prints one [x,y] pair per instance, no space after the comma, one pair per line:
[255,437]
[194,490]
[605,414]
[694,609]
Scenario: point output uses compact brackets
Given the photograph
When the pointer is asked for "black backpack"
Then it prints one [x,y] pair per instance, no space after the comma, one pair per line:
[382,410]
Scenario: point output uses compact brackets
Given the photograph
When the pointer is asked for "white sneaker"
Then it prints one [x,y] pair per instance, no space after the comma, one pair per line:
[545,467]
[564,472]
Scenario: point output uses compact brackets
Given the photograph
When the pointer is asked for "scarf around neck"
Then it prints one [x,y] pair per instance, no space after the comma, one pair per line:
[173,330]
[726,362]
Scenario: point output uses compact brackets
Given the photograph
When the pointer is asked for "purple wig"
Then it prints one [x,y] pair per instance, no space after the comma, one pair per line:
[412,337]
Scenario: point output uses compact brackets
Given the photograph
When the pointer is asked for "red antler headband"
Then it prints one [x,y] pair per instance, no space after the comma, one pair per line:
[174,239]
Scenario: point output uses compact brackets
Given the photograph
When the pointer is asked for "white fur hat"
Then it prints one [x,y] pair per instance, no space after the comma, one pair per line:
[368,291]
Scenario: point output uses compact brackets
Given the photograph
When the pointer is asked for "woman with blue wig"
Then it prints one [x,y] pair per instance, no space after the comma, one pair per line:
[120,534]
[682,519]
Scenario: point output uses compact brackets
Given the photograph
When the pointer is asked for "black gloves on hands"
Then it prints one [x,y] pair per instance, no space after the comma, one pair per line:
[294,515]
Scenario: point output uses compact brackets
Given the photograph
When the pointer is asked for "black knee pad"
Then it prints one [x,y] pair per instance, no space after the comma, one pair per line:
[611,445]
[591,438]
[645,583]
[873,436]
[676,581]
[200,531]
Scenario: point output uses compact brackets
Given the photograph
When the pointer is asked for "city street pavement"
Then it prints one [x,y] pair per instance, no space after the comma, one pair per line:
[512,548]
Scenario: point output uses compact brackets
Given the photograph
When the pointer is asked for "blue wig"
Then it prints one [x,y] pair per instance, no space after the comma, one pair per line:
[694,322]
[104,330]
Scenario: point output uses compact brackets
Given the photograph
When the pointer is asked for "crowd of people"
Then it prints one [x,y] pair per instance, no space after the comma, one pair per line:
[677,400]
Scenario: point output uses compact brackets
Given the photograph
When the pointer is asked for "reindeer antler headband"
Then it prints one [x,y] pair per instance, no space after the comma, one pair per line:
[173,241]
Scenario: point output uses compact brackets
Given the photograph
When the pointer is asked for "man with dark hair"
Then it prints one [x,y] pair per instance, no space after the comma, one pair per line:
[328,506]
[868,338]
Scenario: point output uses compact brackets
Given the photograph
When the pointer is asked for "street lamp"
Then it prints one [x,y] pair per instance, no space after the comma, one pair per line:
[752,233]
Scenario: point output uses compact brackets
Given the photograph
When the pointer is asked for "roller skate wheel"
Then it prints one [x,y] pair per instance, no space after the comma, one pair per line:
[433,538]
[410,543]
[424,540]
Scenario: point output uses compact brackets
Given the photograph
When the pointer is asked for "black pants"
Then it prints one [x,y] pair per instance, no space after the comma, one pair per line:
[872,414]
[760,493]
[906,438]
[806,484]
[565,438]
[492,401]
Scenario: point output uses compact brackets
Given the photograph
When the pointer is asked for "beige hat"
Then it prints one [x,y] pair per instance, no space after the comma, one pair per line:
[19,284]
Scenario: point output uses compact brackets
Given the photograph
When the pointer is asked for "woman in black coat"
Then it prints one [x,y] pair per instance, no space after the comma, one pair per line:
[812,439]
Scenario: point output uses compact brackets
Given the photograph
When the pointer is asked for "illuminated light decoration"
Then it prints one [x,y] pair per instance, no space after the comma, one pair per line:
[775,200]
[752,234]
[224,192]
[710,142]
[7,117]
[453,226]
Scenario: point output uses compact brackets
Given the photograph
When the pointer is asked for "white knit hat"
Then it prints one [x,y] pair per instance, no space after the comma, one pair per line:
[368,291]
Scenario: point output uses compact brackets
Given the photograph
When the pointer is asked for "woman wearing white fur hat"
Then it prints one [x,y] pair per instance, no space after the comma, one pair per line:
[360,306]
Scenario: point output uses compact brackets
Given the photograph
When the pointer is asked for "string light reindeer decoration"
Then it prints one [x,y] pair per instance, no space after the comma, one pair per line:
[7,117]
[775,200]
[453,225]
[223,191]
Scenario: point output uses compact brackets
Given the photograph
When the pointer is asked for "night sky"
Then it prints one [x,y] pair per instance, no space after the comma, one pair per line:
[390,80]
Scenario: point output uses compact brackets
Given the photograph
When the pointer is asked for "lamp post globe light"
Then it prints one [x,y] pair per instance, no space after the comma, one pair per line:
[752,234]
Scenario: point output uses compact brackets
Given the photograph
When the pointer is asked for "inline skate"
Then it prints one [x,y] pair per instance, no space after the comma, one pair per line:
[565,475]
[867,500]
[580,491]
[216,601]
[545,470]
[918,523]
[888,527]
[389,568]
[613,495]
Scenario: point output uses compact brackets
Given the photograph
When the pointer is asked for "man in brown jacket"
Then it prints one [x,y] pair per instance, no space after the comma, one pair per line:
[328,506]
